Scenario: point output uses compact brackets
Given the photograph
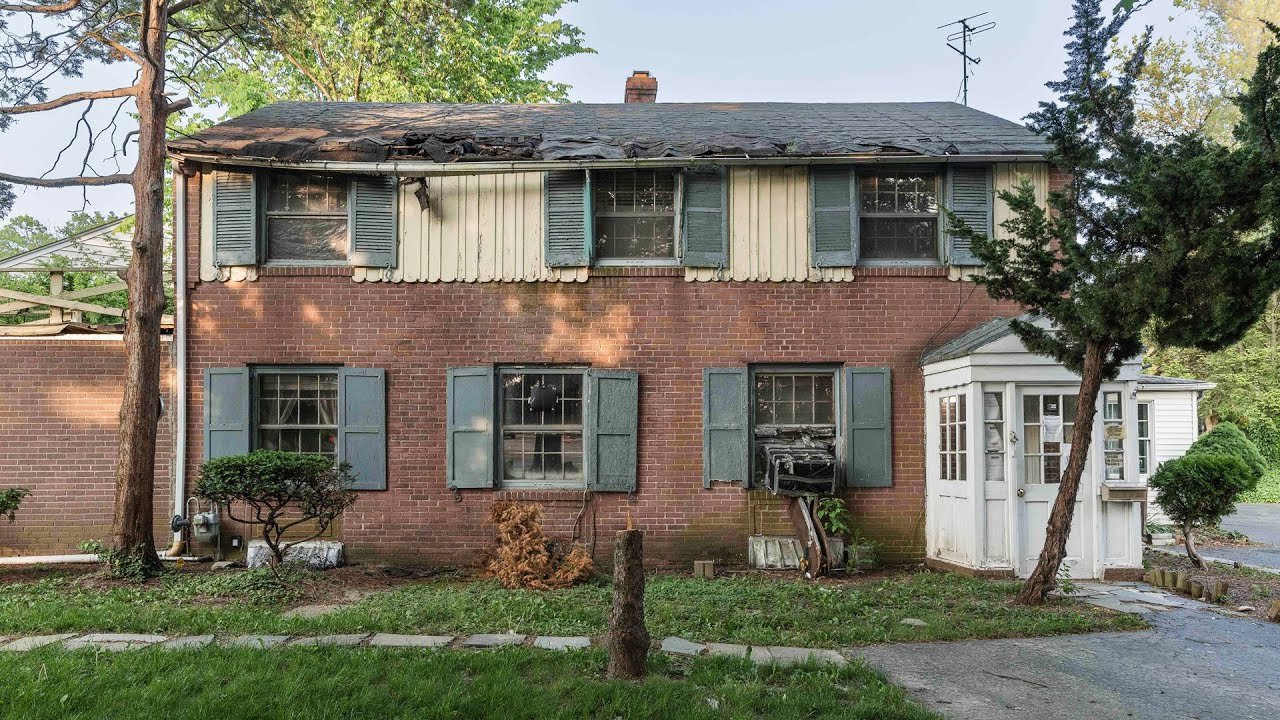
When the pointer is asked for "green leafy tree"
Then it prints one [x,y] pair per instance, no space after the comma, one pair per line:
[10,499]
[1177,235]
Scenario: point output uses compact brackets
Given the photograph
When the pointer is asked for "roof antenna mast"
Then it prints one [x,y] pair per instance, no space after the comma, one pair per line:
[964,35]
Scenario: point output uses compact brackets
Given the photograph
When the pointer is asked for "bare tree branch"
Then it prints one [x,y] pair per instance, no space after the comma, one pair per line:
[68,99]
[79,181]
[181,5]
[43,9]
[117,46]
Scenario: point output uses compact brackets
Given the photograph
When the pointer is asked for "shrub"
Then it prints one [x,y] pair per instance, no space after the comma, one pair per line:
[1227,439]
[1199,488]
[1264,433]
[281,490]
[10,499]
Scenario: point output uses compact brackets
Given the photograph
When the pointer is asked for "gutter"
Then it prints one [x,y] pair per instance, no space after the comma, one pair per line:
[427,168]
[180,348]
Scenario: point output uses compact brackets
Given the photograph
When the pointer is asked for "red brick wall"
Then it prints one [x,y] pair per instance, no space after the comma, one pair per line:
[59,405]
[664,327]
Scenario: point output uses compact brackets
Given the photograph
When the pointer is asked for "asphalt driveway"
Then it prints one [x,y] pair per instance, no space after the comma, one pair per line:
[1261,522]
[1194,663]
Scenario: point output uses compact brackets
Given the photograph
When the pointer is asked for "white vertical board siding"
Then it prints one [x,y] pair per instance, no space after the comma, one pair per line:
[1174,425]
[477,228]
[769,229]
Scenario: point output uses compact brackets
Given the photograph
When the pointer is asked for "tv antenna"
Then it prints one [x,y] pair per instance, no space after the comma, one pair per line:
[964,35]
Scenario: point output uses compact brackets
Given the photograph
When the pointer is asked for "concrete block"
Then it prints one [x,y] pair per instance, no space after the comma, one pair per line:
[315,554]
[255,641]
[553,642]
[113,641]
[330,640]
[680,646]
[25,644]
[187,643]
[410,641]
[913,622]
[794,655]
[727,650]
[493,640]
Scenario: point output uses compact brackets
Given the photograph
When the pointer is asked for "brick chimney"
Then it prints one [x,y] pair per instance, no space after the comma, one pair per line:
[641,88]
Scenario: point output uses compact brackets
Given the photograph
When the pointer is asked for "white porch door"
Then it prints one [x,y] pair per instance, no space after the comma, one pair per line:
[1045,425]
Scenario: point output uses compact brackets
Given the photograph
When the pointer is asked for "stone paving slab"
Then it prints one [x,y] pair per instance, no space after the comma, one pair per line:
[493,640]
[35,641]
[330,640]
[187,643]
[410,641]
[727,650]
[113,642]
[255,641]
[680,646]
[1112,603]
[562,642]
[783,655]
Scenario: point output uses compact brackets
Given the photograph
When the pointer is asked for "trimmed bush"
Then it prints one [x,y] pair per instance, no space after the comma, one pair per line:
[1199,488]
[1264,433]
[1227,439]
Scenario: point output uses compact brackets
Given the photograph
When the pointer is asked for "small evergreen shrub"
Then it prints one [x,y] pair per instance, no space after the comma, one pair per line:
[1200,488]
[1227,439]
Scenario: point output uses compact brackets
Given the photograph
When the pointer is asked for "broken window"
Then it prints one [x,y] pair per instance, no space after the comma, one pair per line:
[898,215]
[297,411]
[541,427]
[794,430]
[635,214]
[306,218]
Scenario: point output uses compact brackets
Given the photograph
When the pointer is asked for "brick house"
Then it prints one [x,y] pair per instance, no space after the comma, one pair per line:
[607,309]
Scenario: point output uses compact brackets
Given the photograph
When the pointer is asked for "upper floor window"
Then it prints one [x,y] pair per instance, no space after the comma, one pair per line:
[898,215]
[306,218]
[635,214]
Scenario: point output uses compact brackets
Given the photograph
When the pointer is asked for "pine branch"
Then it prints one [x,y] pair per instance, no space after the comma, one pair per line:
[69,99]
[78,181]
[42,9]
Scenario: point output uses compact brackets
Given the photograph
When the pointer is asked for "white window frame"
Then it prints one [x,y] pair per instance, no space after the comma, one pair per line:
[678,204]
[580,428]
[1144,440]
[265,179]
[953,448]
[940,188]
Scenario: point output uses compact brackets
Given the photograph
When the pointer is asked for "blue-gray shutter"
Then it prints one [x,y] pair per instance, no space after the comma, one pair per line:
[610,432]
[227,417]
[235,218]
[725,426]
[372,207]
[704,230]
[469,447]
[833,216]
[969,197]
[567,208]
[869,455]
[362,425]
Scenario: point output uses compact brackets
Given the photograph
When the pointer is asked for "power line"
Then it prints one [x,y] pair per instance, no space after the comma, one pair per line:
[964,35]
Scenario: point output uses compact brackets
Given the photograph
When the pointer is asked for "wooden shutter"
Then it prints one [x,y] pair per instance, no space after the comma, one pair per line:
[869,455]
[469,448]
[704,230]
[568,232]
[227,417]
[833,216]
[362,425]
[373,220]
[235,218]
[609,435]
[969,197]
[725,426]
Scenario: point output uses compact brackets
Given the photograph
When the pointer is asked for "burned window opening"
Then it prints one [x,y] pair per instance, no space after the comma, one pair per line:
[794,432]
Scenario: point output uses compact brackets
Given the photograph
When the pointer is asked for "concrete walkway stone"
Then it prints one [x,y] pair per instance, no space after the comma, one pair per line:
[330,640]
[410,641]
[255,641]
[187,643]
[783,655]
[560,642]
[113,642]
[727,650]
[493,640]
[680,646]
[35,641]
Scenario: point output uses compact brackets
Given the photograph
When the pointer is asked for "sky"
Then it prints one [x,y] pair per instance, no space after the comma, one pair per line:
[716,50]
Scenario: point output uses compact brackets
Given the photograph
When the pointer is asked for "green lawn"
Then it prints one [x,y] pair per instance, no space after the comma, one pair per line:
[746,609]
[319,683]
[1267,491]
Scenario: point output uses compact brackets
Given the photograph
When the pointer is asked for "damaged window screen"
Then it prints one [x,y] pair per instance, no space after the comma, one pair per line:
[898,215]
[791,406]
[298,412]
[635,214]
[542,428]
[306,217]
[1046,435]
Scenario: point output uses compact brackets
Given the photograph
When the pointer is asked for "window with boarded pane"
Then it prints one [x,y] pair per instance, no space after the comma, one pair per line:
[541,413]
[791,406]
[898,215]
[297,411]
[953,438]
[635,214]
[306,217]
[1046,431]
[1113,435]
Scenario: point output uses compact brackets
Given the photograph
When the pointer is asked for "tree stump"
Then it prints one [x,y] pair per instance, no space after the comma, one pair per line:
[628,638]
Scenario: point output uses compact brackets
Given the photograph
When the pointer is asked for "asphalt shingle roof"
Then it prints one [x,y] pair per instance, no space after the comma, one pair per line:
[975,339]
[294,131]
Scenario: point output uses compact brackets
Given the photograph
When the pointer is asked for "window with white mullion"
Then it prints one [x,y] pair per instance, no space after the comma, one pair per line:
[1046,436]
[1113,435]
[993,417]
[541,416]
[953,439]
[1144,438]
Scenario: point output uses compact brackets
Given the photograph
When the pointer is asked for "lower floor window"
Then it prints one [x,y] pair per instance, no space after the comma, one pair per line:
[297,411]
[542,427]
[794,430]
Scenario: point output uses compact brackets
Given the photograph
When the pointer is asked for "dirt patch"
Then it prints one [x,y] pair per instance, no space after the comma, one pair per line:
[1245,586]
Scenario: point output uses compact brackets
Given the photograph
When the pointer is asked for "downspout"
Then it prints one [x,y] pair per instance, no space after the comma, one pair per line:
[180,350]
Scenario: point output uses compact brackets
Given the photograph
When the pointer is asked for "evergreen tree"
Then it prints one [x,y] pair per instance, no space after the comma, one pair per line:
[1178,235]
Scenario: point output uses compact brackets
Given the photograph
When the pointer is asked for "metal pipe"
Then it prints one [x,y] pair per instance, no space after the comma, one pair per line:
[180,343]
[48,559]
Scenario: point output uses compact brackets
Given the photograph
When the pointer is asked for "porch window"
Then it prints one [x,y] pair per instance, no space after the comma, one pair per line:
[898,215]
[1144,439]
[306,218]
[794,429]
[993,435]
[541,427]
[297,411]
[1046,434]
[1113,435]
[635,215]
[953,441]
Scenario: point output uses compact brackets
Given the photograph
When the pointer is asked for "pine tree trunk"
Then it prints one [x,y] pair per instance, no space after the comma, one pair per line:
[1044,577]
[1189,540]
[628,636]
[132,533]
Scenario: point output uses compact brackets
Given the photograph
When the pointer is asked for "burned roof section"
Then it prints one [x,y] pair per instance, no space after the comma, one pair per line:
[436,132]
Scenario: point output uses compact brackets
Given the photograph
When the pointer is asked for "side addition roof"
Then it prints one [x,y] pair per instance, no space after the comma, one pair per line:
[1160,382]
[974,340]
[98,248]
[440,132]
